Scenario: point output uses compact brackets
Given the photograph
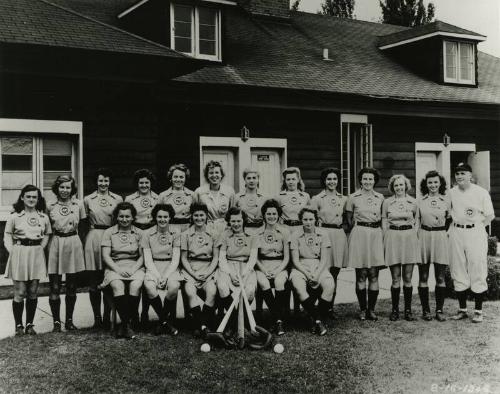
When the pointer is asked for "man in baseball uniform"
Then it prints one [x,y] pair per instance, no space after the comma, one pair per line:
[471,211]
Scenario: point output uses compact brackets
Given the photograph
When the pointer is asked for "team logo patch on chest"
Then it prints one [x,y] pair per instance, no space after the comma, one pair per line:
[33,221]
[64,210]
[124,238]
[310,241]
[401,207]
[223,207]
[200,240]
[239,242]
[163,239]
[370,201]
[294,200]
[269,238]
[469,212]
[179,200]
[334,202]
[145,202]
[434,204]
[103,202]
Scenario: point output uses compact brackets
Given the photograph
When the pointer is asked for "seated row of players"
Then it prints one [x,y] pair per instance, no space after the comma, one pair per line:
[383,234]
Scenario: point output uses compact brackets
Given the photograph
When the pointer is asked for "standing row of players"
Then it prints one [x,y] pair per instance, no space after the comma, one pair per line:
[225,238]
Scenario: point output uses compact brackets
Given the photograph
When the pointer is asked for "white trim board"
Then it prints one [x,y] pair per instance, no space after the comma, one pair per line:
[140,3]
[353,118]
[438,33]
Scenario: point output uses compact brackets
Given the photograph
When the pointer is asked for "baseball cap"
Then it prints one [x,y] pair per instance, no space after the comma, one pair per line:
[463,167]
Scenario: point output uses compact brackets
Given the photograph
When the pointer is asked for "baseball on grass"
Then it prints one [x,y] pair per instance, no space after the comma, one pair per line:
[205,348]
[278,348]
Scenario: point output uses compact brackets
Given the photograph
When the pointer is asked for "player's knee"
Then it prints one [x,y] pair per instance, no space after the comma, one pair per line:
[135,287]
[173,287]
[280,281]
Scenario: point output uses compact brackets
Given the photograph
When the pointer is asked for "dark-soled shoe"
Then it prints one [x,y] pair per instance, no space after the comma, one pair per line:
[57,326]
[409,316]
[19,330]
[279,328]
[29,329]
[320,328]
[440,316]
[427,316]
[69,326]
[370,315]
[394,316]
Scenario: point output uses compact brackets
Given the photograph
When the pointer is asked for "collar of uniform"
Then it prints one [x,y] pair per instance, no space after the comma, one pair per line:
[224,189]
[322,194]
[301,233]
[170,191]
[233,234]
[22,213]
[244,194]
[133,229]
[191,231]
[72,201]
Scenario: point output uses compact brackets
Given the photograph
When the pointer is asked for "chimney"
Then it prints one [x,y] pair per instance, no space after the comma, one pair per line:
[269,8]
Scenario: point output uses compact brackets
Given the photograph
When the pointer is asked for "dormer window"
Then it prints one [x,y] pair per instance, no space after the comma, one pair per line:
[459,62]
[195,30]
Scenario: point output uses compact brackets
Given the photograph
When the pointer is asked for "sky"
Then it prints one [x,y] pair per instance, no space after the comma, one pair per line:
[480,16]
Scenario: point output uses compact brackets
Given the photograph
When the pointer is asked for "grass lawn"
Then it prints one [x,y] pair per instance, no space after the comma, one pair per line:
[382,357]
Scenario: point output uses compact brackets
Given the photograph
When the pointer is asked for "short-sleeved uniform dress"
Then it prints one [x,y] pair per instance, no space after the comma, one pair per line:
[162,246]
[124,252]
[330,207]
[217,203]
[27,259]
[271,246]
[99,209]
[181,201]
[309,246]
[400,239]
[144,206]
[366,248]
[432,237]
[199,246]
[238,248]
[251,205]
[291,204]
[65,248]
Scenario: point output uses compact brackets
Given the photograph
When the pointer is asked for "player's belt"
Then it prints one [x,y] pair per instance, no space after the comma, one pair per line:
[254,224]
[368,224]
[100,227]
[144,226]
[403,227]
[179,221]
[166,259]
[64,235]
[201,258]
[28,242]
[262,257]
[325,225]
[292,222]
[464,225]
[427,228]
[235,260]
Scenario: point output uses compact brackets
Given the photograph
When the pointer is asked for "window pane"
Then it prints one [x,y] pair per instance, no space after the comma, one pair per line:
[207,32]
[183,44]
[57,163]
[182,13]
[451,60]
[9,197]
[16,180]
[182,29]
[17,145]
[56,147]
[50,177]
[207,16]
[466,61]
[17,163]
[207,47]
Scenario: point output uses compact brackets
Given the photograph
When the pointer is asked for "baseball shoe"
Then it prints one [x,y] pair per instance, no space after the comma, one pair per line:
[279,328]
[128,333]
[427,316]
[409,316]
[362,315]
[394,315]
[320,328]
[69,326]
[19,330]
[440,316]
[477,318]
[57,326]
[29,329]
[169,329]
[461,315]
[370,315]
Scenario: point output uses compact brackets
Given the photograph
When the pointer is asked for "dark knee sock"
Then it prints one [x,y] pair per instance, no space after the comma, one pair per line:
[55,308]
[361,294]
[207,315]
[440,293]
[17,309]
[169,308]
[280,304]
[323,307]
[197,316]
[395,292]
[226,302]
[478,298]
[157,307]
[31,304]
[310,308]
[145,305]
[462,299]
[407,292]
[423,293]
[95,301]
[107,312]
[296,302]
[70,306]
[259,300]
[268,297]
[133,306]
[332,303]
[121,303]
[372,299]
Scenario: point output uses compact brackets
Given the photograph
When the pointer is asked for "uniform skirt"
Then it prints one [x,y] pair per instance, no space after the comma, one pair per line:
[66,255]
[162,267]
[366,248]
[401,247]
[433,247]
[110,275]
[250,280]
[26,263]
[199,267]
[338,239]
[295,274]
[92,250]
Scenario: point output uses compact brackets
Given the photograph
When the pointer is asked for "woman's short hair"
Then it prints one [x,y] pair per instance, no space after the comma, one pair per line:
[163,207]
[247,171]
[180,167]
[63,179]
[105,172]
[144,173]
[271,203]
[369,170]
[394,178]
[213,164]
[308,210]
[233,211]
[40,204]
[326,172]
[197,206]
[431,174]
[296,171]
[123,206]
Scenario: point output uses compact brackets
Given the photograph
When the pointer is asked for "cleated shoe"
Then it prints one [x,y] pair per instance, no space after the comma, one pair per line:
[461,315]
[69,326]
[370,315]
[57,326]
[320,328]
[19,330]
[29,329]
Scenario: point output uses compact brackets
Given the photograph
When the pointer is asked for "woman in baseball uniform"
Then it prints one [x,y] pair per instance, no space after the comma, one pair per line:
[217,196]
[122,254]
[200,258]
[433,213]
[26,235]
[178,196]
[99,207]
[65,248]
[161,251]
[273,243]
[251,201]
[471,211]
[400,241]
[310,276]
[330,205]
[366,248]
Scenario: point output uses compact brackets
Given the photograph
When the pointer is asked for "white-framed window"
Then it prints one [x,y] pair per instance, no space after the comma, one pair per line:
[36,152]
[196,31]
[459,62]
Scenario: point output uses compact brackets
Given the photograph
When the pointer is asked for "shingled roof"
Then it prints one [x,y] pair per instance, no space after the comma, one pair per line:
[42,22]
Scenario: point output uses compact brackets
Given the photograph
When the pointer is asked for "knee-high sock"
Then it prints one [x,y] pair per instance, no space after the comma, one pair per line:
[361,294]
[478,298]
[95,301]
[70,306]
[395,292]
[122,307]
[323,307]
[310,308]
[107,312]
[55,309]
[268,297]
[332,303]
[133,305]
[407,293]
[372,299]
[281,303]
[423,293]
[197,315]
[440,293]
[17,310]
[259,299]
[462,299]
[31,304]
[169,308]
[157,307]
[207,316]
[145,305]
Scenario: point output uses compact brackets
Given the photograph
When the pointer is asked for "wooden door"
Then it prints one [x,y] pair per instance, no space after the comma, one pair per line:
[268,163]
